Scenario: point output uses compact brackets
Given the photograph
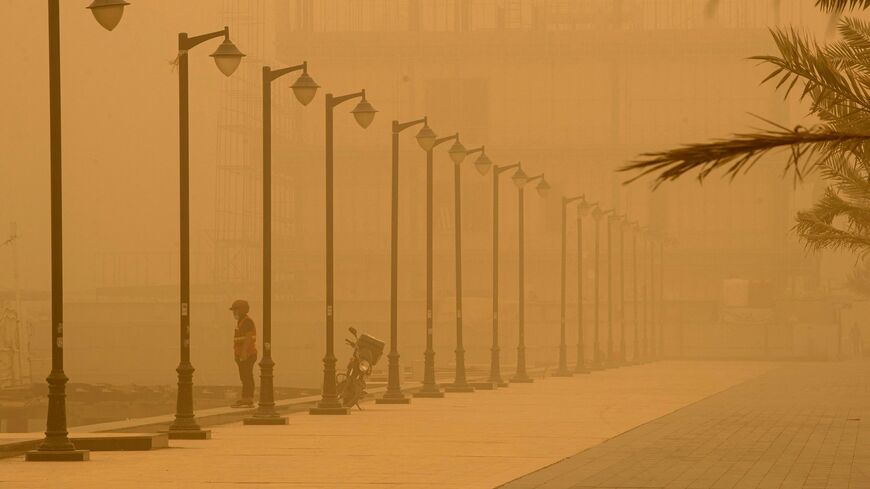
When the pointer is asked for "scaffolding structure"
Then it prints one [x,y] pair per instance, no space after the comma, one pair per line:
[14,328]
[537,15]
[238,182]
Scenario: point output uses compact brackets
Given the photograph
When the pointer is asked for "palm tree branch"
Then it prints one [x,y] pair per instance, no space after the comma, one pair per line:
[819,235]
[742,151]
[840,5]
[801,59]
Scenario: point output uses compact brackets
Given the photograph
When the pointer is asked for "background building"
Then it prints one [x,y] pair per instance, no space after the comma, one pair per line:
[571,88]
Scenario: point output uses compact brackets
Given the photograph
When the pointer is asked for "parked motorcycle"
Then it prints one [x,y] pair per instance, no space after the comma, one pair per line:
[351,385]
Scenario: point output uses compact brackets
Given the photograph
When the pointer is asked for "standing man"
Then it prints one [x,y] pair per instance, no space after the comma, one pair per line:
[245,351]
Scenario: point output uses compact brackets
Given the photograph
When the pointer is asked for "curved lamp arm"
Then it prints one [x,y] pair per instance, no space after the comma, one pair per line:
[445,139]
[568,200]
[272,75]
[335,101]
[470,152]
[186,43]
[401,126]
[536,177]
[501,169]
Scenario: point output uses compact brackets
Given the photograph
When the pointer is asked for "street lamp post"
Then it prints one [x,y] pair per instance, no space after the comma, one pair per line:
[636,356]
[430,387]
[609,361]
[653,343]
[563,346]
[457,154]
[56,446]
[304,89]
[364,114]
[623,353]
[227,58]
[661,301]
[521,180]
[583,209]
[644,294]
[597,361]
[495,379]
[425,138]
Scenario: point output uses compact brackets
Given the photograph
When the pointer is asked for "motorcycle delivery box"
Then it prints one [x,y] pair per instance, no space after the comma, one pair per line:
[372,347]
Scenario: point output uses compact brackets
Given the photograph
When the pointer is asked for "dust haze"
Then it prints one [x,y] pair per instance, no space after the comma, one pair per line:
[571,89]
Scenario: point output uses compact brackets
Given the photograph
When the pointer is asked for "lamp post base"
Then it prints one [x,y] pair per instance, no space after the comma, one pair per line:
[581,369]
[57,456]
[189,434]
[339,410]
[429,393]
[458,388]
[393,399]
[485,386]
[522,379]
[265,420]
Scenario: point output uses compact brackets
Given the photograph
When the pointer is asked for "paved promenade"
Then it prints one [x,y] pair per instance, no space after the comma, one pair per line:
[467,441]
[799,426]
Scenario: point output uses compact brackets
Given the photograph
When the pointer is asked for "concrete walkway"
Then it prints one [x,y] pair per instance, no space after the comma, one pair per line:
[797,427]
[477,440]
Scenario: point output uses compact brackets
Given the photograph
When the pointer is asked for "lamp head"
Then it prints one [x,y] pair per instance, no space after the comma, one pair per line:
[457,152]
[584,207]
[482,163]
[227,56]
[426,137]
[364,113]
[520,178]
[543,187]
[304,88]
[108,12]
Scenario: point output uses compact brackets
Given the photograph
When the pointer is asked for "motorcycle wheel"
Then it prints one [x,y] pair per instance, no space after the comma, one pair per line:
[340,383]
[350,394]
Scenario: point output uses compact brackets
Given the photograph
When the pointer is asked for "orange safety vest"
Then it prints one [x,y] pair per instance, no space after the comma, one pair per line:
[245,329]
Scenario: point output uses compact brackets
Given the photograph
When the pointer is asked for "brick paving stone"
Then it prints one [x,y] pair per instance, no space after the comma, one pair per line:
[797,427]
[470,441]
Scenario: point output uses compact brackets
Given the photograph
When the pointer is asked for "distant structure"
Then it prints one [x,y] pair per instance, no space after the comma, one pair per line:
[14,331]
[573,88]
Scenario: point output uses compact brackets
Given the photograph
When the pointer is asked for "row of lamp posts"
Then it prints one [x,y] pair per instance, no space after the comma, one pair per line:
[227,57]
[643,349]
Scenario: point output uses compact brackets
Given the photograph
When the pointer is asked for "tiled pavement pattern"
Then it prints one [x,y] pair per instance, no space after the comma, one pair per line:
[799,426]
[464,441]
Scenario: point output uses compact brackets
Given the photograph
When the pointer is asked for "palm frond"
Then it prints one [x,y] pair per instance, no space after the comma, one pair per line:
[853,50]
[739,153]
[850,177]
[819,235]
[832,206]
[803,60]
[840,5]
[856,32]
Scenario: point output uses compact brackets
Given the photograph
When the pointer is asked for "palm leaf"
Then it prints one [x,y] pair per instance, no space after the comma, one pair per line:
[840,5]
[803,60]
[819,235]
[739,153]
[848,175]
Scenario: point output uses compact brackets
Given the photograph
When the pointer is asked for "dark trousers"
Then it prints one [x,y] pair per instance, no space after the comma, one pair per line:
[246,374]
